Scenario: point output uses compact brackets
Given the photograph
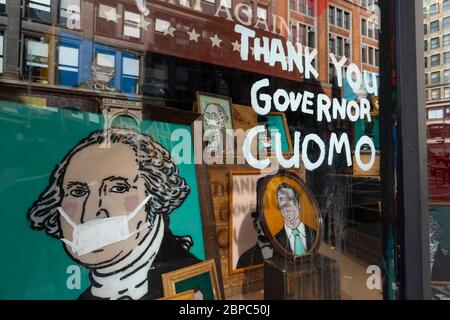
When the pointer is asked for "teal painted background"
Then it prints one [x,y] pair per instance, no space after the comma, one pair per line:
[201,282]
[360,130]
[33,140]
[276,123]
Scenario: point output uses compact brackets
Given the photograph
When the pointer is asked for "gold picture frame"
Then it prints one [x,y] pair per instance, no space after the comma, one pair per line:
[187,295]
[187,276]
[284,127]
[233,256]
[220,106]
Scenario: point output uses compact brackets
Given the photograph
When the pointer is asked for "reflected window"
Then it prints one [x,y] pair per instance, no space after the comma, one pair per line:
[447,57]
[447,75]
[209,6]
[370,29]
[364,27]
[107,20]
[435,77]
[446,40]
[347,20]
[311,8]
[131,25]
[446,23]
[331,16]
[40,10]
[68,65]
[436,114]
[105,69]
[435,60]
[261,13]
[434,26]
[69,14]
[435,94]
[435,43]
[447,92]
[434,9]
[130,75]
[446,5]
[2,6]
[331,44]
[364,54]
[36,60]
[125,122]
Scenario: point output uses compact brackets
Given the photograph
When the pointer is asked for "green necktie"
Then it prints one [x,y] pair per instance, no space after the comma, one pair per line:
[299,248]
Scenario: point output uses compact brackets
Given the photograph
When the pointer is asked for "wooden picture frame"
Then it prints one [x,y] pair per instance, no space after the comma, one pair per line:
[170,280]
[216,101]
[287,135]
[267,216]
[187,295]
[232,255]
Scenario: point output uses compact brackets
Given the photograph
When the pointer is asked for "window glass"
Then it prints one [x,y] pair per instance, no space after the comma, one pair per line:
[39,10]
[106,104]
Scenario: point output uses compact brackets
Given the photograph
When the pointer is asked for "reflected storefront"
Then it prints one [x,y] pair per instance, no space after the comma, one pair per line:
[206,149]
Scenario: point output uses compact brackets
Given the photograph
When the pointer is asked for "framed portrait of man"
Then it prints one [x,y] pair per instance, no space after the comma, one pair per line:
[201,278]
[248,245]
[100,212]
[217,118]
[290,216]
[275,123]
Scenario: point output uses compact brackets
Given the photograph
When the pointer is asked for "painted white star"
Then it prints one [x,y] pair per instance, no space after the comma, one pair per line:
[193,35]
[215,41]
[169,31]
[236,46]
[111,15]
[143,23]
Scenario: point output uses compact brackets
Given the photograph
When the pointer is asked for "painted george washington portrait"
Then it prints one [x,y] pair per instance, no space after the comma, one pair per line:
[109,201]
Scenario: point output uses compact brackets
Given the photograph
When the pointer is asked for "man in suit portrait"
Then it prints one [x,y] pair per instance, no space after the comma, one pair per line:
[295,236]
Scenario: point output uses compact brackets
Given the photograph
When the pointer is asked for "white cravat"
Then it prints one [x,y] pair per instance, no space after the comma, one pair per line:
[301,230]
[127,277]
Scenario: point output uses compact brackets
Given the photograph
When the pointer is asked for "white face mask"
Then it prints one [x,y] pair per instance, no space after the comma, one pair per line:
[96,234]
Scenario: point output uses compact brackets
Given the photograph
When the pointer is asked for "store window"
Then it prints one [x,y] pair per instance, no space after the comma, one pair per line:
[100,130]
